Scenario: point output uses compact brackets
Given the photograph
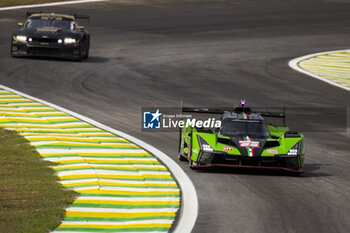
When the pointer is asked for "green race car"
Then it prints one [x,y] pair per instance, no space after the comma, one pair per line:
[244,139]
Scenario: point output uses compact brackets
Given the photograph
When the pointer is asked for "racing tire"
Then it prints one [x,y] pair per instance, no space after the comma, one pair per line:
[11,52]
[190,164]
[80,57]
[190,161]
[179,156]
[86,49]
[293,163]
[86,56]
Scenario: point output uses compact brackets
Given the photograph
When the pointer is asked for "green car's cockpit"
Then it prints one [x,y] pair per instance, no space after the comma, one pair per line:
[244,127]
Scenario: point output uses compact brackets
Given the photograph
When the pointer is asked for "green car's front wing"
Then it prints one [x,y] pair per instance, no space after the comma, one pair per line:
[277,152]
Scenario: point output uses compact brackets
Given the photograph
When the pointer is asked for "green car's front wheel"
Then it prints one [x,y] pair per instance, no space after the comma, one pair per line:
[181,145]
[190,161]
[190,164]
[293,163]
[180,157]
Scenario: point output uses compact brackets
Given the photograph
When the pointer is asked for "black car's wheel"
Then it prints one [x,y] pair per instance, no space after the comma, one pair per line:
[86,49]
[86,56]
[11,52]
[80,55]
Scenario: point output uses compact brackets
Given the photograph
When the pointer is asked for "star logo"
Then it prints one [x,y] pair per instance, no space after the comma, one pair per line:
[152,119]
[156,115]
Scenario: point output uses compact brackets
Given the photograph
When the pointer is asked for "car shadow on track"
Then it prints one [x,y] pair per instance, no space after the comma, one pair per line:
[313,170]
[310,170]
[95,59]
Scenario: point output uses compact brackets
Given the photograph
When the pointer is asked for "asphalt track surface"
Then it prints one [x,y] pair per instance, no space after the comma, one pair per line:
[155,53]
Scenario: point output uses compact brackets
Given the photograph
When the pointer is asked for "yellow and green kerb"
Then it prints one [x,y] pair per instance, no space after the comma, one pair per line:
[334,67]
[122,187]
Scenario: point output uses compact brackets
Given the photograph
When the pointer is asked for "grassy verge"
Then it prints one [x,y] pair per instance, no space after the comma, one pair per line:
[31,200]
[4,3]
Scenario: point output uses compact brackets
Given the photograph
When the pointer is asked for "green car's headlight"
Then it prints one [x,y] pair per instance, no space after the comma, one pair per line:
[204,145]
[207,148]
[69,40]
[294,150]
[21,38]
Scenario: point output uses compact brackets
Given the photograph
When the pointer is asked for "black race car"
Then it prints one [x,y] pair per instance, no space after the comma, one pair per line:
[51,35]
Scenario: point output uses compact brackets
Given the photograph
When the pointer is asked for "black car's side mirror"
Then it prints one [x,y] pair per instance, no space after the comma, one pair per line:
[20,24]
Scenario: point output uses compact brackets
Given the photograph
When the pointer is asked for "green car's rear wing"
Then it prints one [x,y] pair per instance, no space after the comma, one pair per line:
[273,114]
[207,110]
[264,112]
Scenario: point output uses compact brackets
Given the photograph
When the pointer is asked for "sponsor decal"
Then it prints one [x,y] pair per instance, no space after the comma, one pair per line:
[251,144]
[272,151]
[245,116]
[228,148]
[250,152]
[195,150]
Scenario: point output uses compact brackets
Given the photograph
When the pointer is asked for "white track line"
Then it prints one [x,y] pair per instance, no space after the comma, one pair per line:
[189,200]
[49,4]
[294,64]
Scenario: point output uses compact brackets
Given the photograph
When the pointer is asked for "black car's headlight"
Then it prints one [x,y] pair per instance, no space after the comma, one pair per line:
[69,40]
[204,145]
[294,150]
[21,38]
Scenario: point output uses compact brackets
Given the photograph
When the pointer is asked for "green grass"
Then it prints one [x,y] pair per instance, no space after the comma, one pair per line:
[4,3]
[31,200]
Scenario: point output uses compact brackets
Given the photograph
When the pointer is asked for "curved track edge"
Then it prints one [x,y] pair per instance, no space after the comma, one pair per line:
[189,201]
[294,64]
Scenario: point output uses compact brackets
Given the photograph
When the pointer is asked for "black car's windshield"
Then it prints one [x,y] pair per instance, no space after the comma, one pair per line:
[39,22]
[242,128]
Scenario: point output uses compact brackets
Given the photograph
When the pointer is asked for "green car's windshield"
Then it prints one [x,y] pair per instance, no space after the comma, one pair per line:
[242,128]
[38,22]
